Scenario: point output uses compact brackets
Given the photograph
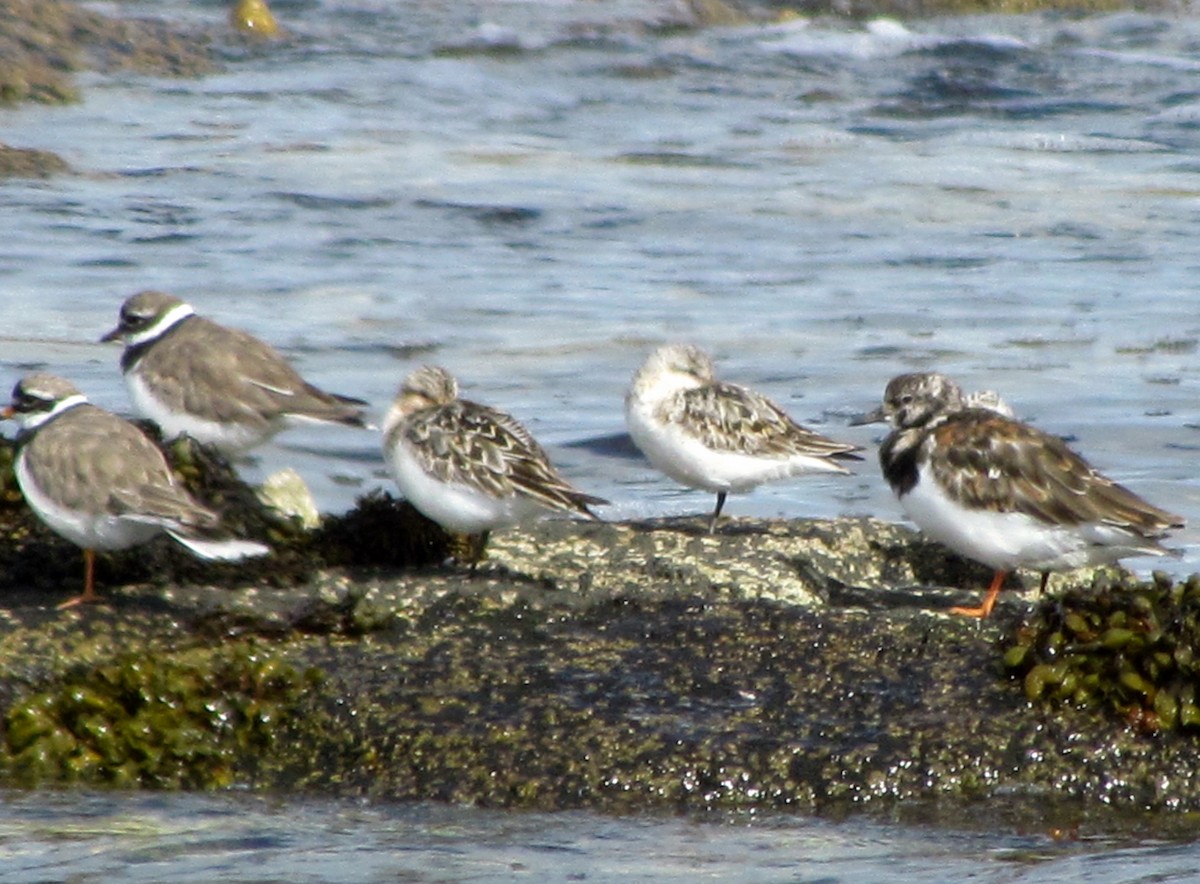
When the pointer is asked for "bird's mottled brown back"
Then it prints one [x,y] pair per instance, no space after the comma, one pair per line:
[987,461]
[470,444]
[728,417]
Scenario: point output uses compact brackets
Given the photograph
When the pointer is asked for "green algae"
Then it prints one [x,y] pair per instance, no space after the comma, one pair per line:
[679,704]
[1124,648]
[189,720]
[803,665]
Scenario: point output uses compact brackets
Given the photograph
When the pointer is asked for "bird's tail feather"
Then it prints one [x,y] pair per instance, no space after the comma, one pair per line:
[225,549]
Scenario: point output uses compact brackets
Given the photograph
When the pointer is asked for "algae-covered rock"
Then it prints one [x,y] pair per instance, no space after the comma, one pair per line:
[194,718]
[776,664]
[23,163]
[44,42]
[1132,650]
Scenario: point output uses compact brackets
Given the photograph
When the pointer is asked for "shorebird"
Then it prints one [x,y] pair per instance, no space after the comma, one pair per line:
[221,386]
[715,436]
[101,483]
[470,468]
[1002,492]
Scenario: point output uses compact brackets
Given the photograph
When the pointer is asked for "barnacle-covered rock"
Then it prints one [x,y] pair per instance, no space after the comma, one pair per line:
[802,664]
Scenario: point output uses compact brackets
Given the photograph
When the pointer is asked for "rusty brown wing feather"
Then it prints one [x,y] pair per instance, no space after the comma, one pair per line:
[727,417]
[988,461]
[470,444]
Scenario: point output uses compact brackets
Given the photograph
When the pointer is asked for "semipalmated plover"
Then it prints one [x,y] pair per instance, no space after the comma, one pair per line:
[100,482]
[716,436]
[221,386]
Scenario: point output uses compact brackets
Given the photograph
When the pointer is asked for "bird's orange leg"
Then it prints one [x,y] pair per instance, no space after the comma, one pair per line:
[989,601]
[89,583]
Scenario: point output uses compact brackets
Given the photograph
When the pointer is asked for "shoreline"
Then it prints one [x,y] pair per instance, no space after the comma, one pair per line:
[792,665]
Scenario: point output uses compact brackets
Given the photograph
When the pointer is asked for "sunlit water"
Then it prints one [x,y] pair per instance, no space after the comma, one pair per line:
[535,194]
[85,837]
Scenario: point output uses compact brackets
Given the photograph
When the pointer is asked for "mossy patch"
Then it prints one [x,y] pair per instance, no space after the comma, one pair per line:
[189,720]
[1129,649]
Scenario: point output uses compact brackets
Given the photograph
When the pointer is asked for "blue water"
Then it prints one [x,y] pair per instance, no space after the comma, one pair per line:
[535,194]
[88,837]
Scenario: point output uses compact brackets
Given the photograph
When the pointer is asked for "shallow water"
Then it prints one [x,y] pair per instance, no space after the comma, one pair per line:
[535,194]
[85,837]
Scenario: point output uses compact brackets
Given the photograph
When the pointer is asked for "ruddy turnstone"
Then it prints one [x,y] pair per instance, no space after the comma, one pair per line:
[221,386]
[716,436]
[989,400]
[1001,492]
[100,482]
[470,468]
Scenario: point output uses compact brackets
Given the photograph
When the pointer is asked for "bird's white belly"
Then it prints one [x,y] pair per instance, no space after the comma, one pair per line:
[100,531]
[1008,540]
[455,506]
[229,438]
[690,462]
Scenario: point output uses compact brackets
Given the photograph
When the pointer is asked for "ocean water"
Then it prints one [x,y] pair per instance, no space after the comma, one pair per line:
[101,837]
[535,194]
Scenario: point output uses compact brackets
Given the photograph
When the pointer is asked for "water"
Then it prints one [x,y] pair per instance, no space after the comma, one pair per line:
[85,837]
[534,194]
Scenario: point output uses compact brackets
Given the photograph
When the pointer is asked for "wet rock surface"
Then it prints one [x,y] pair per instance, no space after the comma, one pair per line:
[803,665]
[18,162]
[44,42]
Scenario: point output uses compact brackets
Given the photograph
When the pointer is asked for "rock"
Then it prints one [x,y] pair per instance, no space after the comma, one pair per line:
[626,666]
[44,42]
[285,493]
[253,18]
[22,163]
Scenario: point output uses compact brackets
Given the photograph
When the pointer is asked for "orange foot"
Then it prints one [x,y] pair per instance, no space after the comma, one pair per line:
[989,601]
[89,584]
[87,598]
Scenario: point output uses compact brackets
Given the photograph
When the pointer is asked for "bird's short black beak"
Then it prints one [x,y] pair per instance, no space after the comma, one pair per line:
[871,417]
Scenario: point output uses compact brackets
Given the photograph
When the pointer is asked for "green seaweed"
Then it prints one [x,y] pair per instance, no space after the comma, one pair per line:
[190,720]
[1123,647]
